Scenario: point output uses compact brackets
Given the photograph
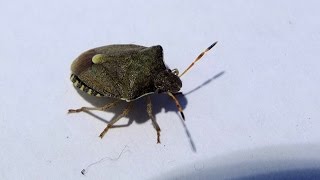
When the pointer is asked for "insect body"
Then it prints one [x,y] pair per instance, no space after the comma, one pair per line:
[126,72]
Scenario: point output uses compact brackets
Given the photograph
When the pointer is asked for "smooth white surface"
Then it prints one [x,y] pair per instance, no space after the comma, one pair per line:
[264,105]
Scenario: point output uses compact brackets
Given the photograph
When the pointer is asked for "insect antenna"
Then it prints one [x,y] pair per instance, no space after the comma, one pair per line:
[177,104]
[199,57]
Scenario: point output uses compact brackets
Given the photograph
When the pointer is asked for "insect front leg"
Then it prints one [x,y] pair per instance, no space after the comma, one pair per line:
[177,104]
[154,122]
[104,108]
[114,120]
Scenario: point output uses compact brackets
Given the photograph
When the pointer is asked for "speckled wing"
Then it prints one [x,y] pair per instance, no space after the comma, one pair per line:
[127,71]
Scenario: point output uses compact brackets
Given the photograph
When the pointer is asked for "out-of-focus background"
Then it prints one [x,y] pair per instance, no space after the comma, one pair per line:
[251,104]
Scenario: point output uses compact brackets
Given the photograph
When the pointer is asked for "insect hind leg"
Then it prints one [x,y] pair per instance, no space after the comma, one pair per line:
[114,120]
[104,108]
[154,122]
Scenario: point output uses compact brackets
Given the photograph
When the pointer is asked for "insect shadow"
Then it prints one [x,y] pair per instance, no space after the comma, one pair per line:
[138,113]
[205,83]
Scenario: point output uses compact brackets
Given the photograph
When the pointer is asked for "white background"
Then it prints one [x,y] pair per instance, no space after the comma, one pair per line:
[251,104]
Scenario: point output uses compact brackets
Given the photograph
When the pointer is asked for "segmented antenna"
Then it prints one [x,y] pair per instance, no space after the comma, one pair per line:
[199,57]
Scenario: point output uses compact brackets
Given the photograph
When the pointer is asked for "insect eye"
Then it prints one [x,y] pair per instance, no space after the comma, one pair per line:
[175,71]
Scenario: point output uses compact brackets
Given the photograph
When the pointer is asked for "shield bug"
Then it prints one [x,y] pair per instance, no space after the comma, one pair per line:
[126,72]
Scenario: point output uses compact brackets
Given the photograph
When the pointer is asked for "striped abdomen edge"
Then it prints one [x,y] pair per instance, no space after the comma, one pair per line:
[83,87]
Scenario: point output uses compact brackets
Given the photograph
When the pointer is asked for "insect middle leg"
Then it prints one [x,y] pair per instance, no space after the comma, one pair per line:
[154,122]
[114,120]
[104,108]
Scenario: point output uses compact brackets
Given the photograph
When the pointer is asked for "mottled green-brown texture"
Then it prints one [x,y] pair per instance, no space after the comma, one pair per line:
[128,73]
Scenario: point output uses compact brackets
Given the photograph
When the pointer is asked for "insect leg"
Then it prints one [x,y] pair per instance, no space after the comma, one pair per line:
[154,122]
[104,108]
[114,120]
[177,104]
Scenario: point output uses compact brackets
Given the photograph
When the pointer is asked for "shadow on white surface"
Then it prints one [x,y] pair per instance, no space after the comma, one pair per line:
[300,161]
[205,83]
[139,113]
[159,102]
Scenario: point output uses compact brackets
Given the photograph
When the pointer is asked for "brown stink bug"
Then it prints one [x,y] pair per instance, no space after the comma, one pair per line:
[126,72]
